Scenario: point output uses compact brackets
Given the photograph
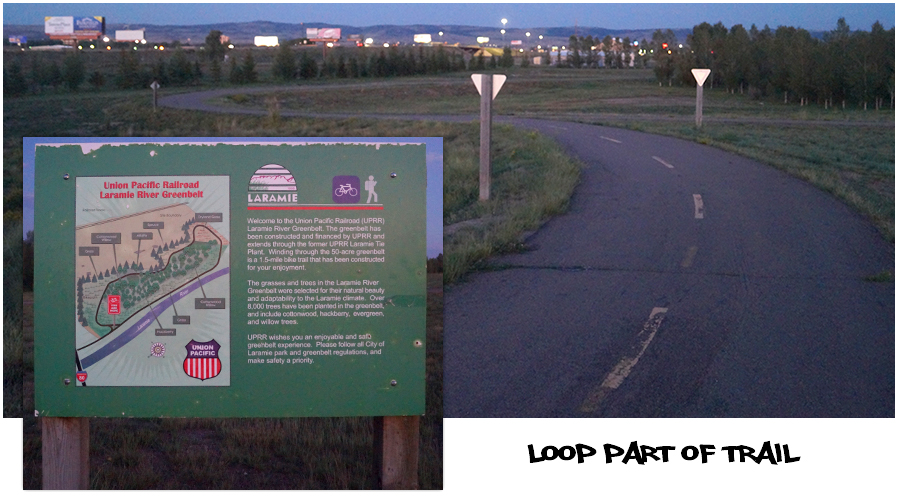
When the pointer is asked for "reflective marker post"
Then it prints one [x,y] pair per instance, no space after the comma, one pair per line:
[700,75]
[155,87]
[488,86]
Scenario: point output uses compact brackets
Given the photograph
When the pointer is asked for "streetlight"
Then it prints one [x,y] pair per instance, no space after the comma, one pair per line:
[503,31]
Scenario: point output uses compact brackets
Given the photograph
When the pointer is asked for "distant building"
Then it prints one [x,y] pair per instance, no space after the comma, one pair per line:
[129,35]
[265,41]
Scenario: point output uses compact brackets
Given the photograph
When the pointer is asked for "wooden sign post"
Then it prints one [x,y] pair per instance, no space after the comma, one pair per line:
[488,86]
[64,453]
[700,75]
[155,87]
[397,452]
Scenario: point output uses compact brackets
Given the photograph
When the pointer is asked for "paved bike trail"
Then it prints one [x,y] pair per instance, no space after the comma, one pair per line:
[684,282]
[758,295]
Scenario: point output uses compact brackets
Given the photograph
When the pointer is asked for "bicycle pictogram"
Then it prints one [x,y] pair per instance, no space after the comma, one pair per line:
[346,189]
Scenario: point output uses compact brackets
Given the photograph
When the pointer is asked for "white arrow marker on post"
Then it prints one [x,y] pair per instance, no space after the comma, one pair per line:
[700,75]
[496,82]
[488,86]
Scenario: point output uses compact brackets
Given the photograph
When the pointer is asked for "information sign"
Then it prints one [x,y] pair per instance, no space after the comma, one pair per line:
[230,279]
[113,302]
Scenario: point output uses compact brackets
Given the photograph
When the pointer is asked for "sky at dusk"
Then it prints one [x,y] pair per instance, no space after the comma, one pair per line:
[616,15]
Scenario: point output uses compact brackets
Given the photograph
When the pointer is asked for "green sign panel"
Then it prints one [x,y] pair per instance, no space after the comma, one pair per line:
[230,278]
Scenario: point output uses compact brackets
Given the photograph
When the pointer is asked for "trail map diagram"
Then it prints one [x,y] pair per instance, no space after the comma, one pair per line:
[152,281]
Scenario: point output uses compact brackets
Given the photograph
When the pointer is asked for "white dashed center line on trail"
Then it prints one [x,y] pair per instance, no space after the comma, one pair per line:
[610,139]
[698,207]
[618,374]
[657,158]
[689,257]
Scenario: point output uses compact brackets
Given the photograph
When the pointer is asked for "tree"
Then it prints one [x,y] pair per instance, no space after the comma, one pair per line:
[506,61]
[215,49]
[73,71]
[14,79]
[97,80]
[574,59]
[308,66]
[284,67]
[248,68]
[180,70]
[53,75]
[128,74]
[234,72]
[215,70]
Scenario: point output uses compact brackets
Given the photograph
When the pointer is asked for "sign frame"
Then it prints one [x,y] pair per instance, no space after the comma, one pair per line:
[390,384]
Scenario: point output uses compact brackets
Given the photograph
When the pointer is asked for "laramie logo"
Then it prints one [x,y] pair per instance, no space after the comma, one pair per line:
[272,185]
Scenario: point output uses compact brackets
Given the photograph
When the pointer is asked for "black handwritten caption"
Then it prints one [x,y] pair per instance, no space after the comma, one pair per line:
[640,454]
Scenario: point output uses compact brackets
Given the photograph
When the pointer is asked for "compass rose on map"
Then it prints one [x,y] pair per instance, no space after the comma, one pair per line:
[157,350]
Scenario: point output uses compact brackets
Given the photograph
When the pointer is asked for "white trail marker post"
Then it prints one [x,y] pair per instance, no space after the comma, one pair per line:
[488,86]
[700,75]
[155,87]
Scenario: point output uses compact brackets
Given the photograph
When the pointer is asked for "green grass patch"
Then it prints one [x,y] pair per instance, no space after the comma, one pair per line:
[532,180]
[855,164]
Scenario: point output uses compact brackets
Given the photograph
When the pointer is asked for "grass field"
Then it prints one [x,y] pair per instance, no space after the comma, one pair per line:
[846,152]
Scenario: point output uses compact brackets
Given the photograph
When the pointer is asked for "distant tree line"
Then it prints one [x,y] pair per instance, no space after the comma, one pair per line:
[609,52]
[845,68]
[215,65]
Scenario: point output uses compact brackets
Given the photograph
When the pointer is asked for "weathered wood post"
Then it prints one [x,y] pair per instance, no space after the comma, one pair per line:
[700,75]
[155,87]
[484,177]
[488,86]
[65,449]
[397,452]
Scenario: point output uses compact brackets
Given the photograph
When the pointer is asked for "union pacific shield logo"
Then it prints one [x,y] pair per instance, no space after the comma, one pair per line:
[202,359]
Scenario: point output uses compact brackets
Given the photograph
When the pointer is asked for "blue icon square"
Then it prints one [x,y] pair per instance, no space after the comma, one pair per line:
[345,189]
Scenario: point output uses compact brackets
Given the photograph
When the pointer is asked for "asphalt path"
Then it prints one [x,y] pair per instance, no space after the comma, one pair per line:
[683,282]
